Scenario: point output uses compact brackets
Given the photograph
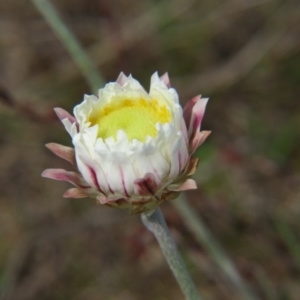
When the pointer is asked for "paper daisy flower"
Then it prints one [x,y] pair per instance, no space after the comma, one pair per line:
[132,149]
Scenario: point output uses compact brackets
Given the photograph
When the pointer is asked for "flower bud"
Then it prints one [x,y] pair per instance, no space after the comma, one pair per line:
[132,149]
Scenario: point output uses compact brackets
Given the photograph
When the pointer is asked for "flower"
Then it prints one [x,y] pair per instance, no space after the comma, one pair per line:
[132,149]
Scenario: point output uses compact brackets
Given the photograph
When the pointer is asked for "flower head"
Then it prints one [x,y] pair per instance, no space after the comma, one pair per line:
[132,149]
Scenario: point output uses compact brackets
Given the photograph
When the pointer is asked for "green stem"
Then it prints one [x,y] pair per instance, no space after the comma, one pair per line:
[205,238]
[68,39]
[155,222]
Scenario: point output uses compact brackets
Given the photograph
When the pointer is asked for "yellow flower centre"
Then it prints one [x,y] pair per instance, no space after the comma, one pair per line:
[137,118]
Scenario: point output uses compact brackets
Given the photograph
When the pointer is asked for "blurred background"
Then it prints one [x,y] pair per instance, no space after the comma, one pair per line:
[244,56]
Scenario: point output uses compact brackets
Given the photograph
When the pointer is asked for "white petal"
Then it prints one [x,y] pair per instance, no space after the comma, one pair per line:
[153,163]
[155,79]
[133,84]
[179,156]
[70,127]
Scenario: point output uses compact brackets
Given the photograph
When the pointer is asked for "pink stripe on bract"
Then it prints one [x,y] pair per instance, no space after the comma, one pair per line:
[187,110]
[151,183]
[184,131]
[179,162]
[141,188]
[196,117]
[146,186]
[95,179]
[63,175]
[123,183]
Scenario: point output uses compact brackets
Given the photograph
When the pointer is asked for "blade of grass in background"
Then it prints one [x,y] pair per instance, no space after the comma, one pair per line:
[290,240]
[212,246]
[266,284]
[68,39]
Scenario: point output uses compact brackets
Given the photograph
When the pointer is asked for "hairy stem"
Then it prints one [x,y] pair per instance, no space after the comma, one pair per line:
[155,222]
